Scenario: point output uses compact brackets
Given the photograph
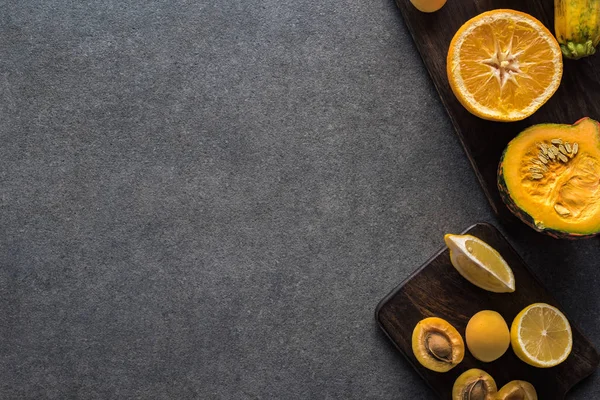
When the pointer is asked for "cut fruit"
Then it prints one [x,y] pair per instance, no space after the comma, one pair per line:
[541,336]
[549,176]
[517,390]
[480,264]
[474,384]
[437,345]
[503,65]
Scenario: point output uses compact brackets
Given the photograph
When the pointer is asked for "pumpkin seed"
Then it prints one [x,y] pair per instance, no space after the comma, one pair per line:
[561,210]
[539,226]
[562,149]
[562,158]
[554,150]
[568,147]
[575,148]
[543,159]
[551,155]
[556,141]
[537,164]
[536,176]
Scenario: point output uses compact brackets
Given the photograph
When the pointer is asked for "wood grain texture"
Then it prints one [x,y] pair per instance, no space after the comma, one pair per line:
[437,289]
[484,141]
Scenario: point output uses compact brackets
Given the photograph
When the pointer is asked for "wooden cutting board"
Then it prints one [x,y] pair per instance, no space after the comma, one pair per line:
[484,141]
[437,289]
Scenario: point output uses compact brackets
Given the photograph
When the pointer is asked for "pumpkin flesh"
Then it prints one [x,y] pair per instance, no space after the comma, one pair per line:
[567,197]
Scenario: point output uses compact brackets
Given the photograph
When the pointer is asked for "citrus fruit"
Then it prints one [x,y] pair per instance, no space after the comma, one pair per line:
[503,65]
[487,336]
[480,264]
[541,336]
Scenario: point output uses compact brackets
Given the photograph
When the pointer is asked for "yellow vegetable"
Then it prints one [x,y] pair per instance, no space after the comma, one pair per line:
[548,177]
[577,26]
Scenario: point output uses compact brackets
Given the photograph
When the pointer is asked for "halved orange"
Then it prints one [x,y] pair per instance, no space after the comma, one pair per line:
[503,65]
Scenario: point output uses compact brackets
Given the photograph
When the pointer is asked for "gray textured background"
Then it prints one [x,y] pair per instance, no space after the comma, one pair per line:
[207,199]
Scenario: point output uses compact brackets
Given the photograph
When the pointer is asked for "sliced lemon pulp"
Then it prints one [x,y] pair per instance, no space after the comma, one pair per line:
[480,264]
[541,336]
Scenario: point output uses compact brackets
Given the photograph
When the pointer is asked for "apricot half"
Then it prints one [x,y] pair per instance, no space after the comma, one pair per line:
[437,345]
[517,390]
[474,384]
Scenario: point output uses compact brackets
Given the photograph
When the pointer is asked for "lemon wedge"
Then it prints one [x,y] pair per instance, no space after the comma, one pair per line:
[480,264]
[541,336]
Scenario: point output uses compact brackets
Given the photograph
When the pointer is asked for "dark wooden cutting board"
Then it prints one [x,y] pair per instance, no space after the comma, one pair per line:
[484,141]
[437,289]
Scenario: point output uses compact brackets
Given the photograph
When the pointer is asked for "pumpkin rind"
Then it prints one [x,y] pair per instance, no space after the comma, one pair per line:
[577,27]
[590,226]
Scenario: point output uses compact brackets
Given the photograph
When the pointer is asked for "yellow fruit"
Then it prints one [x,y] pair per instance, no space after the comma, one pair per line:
[517,390]
[480,264]
[428,5]
[541,336]
[437,345]
[474,384]
[487,336]
[503,65]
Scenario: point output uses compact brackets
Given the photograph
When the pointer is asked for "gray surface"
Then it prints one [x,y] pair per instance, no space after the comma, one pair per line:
[207,199]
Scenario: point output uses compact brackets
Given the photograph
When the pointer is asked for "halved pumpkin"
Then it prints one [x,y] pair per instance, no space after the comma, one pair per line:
[549,176]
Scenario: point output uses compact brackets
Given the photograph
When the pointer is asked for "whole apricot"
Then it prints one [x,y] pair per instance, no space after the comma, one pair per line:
[487,336]
[428,6]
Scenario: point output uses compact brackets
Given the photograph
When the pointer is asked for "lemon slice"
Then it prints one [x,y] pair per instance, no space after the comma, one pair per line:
[480,264]
[541,336]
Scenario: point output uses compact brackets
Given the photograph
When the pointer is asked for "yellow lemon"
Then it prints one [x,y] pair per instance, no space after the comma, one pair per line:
[541,336]
[480,264]
[487,336]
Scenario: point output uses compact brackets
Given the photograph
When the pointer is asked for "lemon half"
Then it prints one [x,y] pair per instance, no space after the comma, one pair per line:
[541,336]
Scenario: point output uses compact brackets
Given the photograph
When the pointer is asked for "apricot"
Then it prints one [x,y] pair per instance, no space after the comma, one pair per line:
[437,345]
[428,6]
[474,384]
[487,336]
[517,390]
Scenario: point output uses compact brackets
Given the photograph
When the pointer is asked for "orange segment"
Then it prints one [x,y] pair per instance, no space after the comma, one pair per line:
[503,65]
